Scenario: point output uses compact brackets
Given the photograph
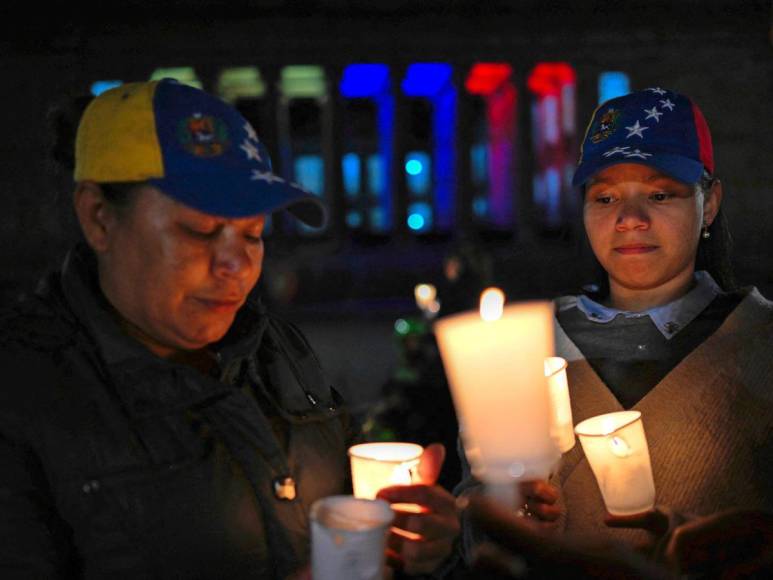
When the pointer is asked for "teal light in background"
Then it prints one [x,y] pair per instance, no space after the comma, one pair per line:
[418,172]
[413,167]
[99,87]
[310,173]
[419,217]
[354,219]
[613,84]
[350,164]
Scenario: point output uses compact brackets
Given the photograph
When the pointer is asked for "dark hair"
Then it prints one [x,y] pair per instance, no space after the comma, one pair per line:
[713,254]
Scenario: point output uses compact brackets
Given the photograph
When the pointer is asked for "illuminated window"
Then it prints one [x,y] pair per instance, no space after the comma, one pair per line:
[240,83]
[99,87]
[368,135]
[554,136]
[183,74]
[350,165]
[303,81]
[493,168]
[418,169]
[419,217]
[310,173]
[613,84]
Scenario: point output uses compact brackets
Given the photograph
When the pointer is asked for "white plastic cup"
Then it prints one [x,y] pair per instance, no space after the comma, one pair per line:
[348,537]
[616,448]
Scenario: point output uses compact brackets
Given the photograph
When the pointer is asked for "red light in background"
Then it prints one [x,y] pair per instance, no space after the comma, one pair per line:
[486,77]
[547,78]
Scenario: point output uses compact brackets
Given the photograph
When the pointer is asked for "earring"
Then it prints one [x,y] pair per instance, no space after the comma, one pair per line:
[706,234]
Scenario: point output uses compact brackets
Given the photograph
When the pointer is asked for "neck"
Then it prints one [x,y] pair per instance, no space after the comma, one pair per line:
[640,299]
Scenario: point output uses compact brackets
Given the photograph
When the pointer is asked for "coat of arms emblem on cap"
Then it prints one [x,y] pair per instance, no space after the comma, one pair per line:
[607,125]
[203,136]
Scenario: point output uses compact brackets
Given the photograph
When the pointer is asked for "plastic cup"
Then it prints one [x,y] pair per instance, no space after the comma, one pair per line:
[348,537]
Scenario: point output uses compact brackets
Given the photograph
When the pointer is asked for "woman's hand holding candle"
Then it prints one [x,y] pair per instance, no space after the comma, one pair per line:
[540,500]
[421,541]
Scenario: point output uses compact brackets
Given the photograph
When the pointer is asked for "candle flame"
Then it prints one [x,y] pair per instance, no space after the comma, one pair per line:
[492,303]
[424,293]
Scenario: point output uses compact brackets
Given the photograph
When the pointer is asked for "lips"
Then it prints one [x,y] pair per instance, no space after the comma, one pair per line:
[220,305]
[632,249]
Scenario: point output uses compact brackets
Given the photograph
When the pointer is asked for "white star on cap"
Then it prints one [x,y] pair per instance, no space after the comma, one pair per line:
[251,151]
[636,129]
[616,150]
[251,134]
[266,176]
[639,154]
[653,113]
[667,104]
[657,90]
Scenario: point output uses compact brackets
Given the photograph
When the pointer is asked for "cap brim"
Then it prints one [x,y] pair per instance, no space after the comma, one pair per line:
[681,168]
[231,195]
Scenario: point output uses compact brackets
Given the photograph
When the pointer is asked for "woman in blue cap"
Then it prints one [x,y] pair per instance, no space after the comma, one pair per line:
[667,332]
[155,420]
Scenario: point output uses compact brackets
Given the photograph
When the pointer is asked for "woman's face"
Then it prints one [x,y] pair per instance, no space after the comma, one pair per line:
[175,274]
[644,226]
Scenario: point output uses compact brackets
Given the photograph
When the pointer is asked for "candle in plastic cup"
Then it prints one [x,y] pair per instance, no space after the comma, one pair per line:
[348,537]
[616,448]
[494,360]
[379,465]
[561,428]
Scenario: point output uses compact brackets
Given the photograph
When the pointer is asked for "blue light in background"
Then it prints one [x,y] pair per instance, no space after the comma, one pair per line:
[415,222]
[354,219]
[376,181]
[364,80]
[99,87]
[426,79]
[613,84]
[419,217]
[413,167]
[350,164]
[310,173]
[418,182]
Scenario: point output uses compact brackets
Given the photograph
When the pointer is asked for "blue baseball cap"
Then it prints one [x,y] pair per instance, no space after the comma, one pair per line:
[193,146]
[655,127]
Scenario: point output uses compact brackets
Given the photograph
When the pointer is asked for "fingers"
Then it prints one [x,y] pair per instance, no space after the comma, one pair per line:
[540,499]
[432,497]
[417,555]
[431,462]
[653,521]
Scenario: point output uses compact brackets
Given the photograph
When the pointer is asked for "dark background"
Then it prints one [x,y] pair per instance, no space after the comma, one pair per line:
[350,290]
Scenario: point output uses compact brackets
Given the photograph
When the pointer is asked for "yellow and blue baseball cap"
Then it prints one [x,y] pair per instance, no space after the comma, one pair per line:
[193,146]
[655,127]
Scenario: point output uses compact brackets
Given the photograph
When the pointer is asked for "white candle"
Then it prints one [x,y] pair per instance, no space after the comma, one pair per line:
[616,448]
[379,465]
[494,361]
[561,428]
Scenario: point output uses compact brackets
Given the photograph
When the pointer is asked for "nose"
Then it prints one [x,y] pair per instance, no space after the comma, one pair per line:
[231,259]
[632,215]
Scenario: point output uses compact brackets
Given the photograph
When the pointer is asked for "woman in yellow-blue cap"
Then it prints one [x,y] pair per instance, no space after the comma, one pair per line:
[155,420]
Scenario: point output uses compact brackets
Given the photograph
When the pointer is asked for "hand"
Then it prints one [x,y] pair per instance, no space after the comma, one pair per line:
[540,499]
[735,543]
[654,521]
[518,548]
[420,541]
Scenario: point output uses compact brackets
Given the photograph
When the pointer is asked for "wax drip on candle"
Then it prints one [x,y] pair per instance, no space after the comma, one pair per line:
[492,302]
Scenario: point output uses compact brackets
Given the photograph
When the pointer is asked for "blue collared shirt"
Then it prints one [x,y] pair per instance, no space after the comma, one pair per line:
[669,318]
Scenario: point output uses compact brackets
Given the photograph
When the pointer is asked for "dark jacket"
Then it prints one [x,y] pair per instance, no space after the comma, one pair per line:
[115,463]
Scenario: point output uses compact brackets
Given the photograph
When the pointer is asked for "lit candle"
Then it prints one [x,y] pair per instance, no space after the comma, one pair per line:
[379,465]
[494,361]
[616,448]
[561,428]
[425,295]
